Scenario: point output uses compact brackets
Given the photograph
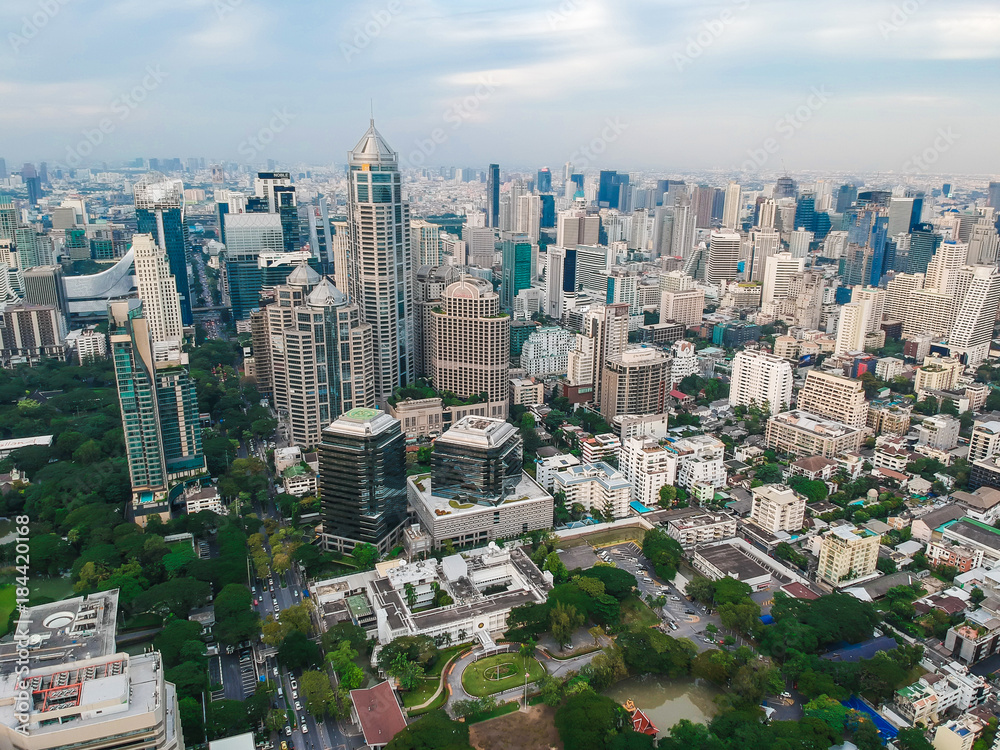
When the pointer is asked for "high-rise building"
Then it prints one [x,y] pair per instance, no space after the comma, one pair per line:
[897,294]
[516,253]
[29,333]
[847,553]
[159,409]
[380,259]
[761,379]
[560,279]
[779,270]
[723,256]
[984,244]
[929,312]
[544,181]
[428,288]
[3,169]
[732,206]
[764,243]
[634,382]
[477,460]
[799,242]
[858,318]
[687,307]
[480,247]
[834,397]
[43,285]
[924,244]
[426,238]
[606,330]
[161,304]
[32,182]
[493,196]
[529,216]
[245,275]
[575,227]
[778,508]
[159,211]
[975,314]
[471,345]
[941,271]
[362,485]
[846,196]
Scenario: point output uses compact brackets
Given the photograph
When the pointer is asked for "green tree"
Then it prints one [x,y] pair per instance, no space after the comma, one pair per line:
[556,567]
[587,721]
[298,652]
[317,693]
[407,672]
[235,618]
[912,739]
[433,731]
[829,710]
[564,619]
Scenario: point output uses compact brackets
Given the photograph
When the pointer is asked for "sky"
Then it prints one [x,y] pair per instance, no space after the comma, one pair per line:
[746,85]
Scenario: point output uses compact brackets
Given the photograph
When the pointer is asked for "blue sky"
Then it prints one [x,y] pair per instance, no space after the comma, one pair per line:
[686,84]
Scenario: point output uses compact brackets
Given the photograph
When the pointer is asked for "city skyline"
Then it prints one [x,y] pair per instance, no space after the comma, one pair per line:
[866,87]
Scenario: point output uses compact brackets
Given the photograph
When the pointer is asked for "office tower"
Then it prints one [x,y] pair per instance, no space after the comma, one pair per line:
[160,300]
[560,279]
[784,188]
[43,285]
[274,194]
[634,381]
[762,380]
[3,169]
[732,206]
[32,182]
[806,293]
[846,196]
[941,271]
[897,294]
[471,345]
[901,214]
[764,243]
[510,205]
[477,460]
[683,232]
[993,195]
[984,244]
[159,409]
[808,218]
[767,213]
[924,243]
[799,242]
[779,270]
[607,189]
[428,290]
[544,181]
[380,259]
[976,314]
[93,692]
[604,332]
[778,508]
[686,307]
[362,481]
[592,264]
[426,238]
[159,211]
[480,247]
[245,275]
[516,252]
[529,216]
[834,397]
[723,256]
[929,312]
[847,552]
[853,327]
[493,196]
[876,299]
[702,200]
[326,362]
[575,227]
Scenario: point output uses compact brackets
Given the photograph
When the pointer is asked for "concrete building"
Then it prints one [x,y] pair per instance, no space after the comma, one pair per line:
[889,417]
[723,256]
[92,692]
[599,488]
[426,238]
[471,345]
[834,397]
[600,448]
[526,391]
[31,333]
[936,374]
[700,528]
[685,307]
[939,431]
[779,270]
[985,440]
[889,368]
[634,382]
[777,508]
[545,469]
[160,299]
[380,263]
[546,351]
[847,553]
[806,434]
[700,461]
[761,379]
[647,466]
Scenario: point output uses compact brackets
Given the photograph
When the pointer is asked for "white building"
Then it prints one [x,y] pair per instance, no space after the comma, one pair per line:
[700,460]
[779,270]
[546,468]
[647,466]
[546,351]
[760,378]
[161,302]
[723,256]
[778,508]
[597,487]
[702,527]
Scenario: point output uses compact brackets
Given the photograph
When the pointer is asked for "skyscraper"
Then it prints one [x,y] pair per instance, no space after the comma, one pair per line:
[159,409]
[760,379]
[993,195]
[157,290]
[779,269]
[362,485]
[924,242]
[723,256]
[32,182]
[159,211]
[846,196]
[975,313]
[784,187]
[380,259]
[493,195]
[427,239]
[471,345]
[731,206]
[544,181]
[516,267]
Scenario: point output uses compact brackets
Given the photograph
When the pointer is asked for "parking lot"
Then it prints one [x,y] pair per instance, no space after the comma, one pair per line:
[689,617]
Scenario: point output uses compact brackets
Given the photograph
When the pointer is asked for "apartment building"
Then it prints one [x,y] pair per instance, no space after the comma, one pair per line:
[777,508]
[699,528]
[648,466]
[834,397]
[847,553]
[597,487]
[806,434]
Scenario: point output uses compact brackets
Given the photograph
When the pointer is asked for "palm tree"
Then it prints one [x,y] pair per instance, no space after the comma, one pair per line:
[411,595]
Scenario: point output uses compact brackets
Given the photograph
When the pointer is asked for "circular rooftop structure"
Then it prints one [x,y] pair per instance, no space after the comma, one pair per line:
[58,620]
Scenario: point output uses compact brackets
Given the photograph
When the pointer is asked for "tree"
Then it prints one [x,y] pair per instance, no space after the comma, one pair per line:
[192,722]
[617,582]
[754,680]
[174,640]
[769,473]
[226,718]
[345,631]
[701,589]
[433,731]
[407,672]
[829,710]
[587,721]
[365,555]
[663,551]
[556,567]
[743,617]
[563,620]
[190,678]
[912,739]
[235,618]
[297,651]
[668,494]
[317,693]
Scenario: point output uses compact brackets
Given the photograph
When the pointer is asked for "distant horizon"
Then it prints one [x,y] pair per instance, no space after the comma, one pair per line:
[716,86]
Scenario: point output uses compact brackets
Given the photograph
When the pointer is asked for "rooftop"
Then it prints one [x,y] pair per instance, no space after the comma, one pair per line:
[526,490]
[817,425]
[379,713]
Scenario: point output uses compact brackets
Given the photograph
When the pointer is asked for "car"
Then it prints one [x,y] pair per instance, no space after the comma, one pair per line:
[675,598]
[288,731]
[673,625]
[295,685]
[648,580]
[708,640]
[284,745]
[255,602]
[786,695]
[298,706]
[689,611]
[305,728]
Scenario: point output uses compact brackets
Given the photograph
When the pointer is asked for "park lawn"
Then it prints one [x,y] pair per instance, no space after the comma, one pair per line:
[479,677]
[422,693]
[636,613]
[443,657]
[7,604]
[434,706]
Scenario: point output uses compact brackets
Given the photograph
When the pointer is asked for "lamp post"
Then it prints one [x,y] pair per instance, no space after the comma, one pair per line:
[524,707]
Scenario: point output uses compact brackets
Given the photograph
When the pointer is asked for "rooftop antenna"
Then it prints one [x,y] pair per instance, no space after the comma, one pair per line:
[371,105]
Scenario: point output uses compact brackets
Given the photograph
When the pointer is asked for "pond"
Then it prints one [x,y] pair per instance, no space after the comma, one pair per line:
[666,701]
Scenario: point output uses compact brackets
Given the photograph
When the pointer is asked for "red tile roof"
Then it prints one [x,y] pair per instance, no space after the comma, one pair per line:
[379,713]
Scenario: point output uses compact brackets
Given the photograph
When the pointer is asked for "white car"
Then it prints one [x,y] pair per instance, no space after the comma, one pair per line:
[288,731]
[298,706]
[295,694]
[295,685]
[305,728]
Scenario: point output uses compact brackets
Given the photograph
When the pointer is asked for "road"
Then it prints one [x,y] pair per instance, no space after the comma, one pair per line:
[689,617]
